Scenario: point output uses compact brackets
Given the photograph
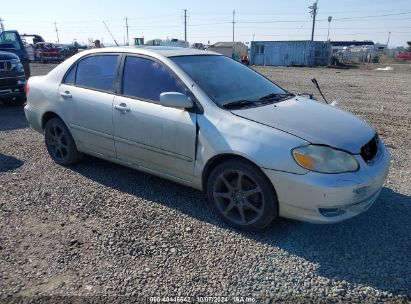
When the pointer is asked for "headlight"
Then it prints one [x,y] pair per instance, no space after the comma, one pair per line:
[324,159]
[15,63]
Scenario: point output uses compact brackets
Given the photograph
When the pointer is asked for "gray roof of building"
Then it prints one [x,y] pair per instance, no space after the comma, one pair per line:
[225,44]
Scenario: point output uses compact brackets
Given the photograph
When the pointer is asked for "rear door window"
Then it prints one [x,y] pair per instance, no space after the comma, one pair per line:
[97,72]
[144,78]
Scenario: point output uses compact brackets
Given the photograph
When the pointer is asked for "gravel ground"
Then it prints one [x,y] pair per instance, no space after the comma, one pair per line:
[98,229]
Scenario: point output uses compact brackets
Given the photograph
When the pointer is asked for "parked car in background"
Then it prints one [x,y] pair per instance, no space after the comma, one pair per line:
[12,79]
[12,73]
[206,121]
[10,41]
[29,40]
[48,52]
[67,50]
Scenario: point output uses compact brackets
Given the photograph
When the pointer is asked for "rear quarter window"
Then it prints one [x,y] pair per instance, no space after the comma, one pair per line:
[70,77]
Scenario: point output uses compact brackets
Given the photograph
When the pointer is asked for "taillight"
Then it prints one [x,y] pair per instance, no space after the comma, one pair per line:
[27,87]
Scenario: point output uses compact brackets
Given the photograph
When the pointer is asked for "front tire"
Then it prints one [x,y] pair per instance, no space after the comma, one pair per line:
[242,196]
[60,144]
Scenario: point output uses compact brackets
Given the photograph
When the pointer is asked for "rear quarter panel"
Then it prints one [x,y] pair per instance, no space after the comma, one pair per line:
[43,94]
[41,98]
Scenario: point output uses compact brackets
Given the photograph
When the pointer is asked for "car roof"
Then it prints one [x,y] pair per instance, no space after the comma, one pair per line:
[165,51]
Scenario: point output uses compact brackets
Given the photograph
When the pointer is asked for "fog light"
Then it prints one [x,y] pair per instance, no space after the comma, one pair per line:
[331,212]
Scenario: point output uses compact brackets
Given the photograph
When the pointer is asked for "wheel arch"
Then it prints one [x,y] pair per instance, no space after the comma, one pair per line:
[47,116]
[220,158]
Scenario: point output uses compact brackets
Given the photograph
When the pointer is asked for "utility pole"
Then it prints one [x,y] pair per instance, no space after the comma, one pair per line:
[127,32]
[185,25]
[388,40]
[329,23]
[253,37]
[57,32]
[1,25]
[313,13]
[233,24]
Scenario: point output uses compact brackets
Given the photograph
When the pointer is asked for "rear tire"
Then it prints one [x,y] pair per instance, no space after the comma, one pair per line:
[242,196]
[60,144]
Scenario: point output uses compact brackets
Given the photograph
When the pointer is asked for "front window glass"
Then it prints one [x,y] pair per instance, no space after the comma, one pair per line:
[97,72]
[10,38]
[225,80]
[147,79]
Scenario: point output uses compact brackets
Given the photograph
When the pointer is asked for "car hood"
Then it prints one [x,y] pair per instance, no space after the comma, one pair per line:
[315,122]
[8,56]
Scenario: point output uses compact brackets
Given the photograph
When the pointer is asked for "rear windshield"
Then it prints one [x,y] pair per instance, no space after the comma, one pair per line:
[225,80]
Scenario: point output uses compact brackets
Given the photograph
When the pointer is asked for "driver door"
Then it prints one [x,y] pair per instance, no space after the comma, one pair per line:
[146,134]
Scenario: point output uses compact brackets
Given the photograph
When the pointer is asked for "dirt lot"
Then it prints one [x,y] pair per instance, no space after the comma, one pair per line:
[97,229]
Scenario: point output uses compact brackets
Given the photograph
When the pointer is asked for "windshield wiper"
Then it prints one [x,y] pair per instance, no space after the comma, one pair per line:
[238,103]
[277,96]
[270,98]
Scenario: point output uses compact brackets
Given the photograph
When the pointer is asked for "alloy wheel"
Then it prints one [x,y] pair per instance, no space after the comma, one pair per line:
[238,197]
[57,142]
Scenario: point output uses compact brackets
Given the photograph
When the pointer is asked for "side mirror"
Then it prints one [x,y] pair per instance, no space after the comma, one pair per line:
[175,100]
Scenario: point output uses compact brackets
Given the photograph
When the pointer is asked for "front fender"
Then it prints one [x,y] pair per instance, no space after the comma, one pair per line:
[264,146]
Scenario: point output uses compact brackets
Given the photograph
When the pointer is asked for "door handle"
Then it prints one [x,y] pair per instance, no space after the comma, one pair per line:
[66,94]
[122,107]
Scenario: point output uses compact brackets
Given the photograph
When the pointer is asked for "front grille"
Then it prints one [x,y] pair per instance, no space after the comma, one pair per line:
[370,149]
[8,82]
[5,65]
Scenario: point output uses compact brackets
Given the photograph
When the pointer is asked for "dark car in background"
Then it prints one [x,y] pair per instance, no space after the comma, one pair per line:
[10,41]
[67,50]
[14,68]
[48,52]
[12,79]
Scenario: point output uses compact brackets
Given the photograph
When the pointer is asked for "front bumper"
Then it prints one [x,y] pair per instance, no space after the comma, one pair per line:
[52,58]
[12,91]
[329,198]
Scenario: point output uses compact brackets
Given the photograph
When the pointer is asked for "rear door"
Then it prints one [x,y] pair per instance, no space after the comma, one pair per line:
[147,134]
[87,94]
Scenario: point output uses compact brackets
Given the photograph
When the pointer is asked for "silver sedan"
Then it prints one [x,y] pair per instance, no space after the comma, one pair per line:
[211,123]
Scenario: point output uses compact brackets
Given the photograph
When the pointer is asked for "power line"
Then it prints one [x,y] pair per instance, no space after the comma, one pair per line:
[238,22]
[336,19]
[288,13]
[216,23]
[371,16]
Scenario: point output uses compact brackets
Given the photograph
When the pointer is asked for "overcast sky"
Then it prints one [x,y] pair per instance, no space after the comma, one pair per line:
[210,20]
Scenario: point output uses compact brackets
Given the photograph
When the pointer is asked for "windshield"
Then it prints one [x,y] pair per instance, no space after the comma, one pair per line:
[225,80]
